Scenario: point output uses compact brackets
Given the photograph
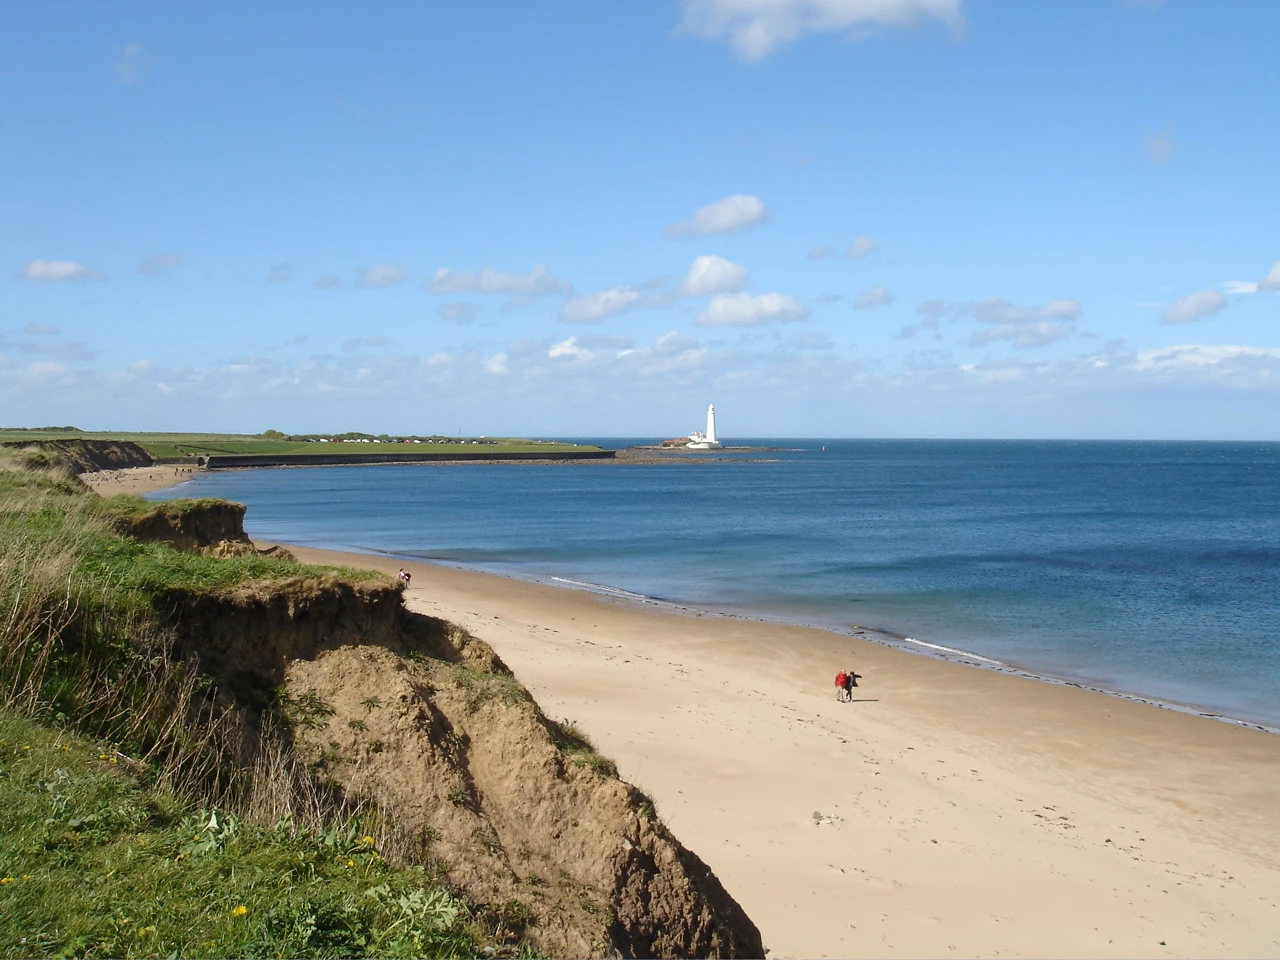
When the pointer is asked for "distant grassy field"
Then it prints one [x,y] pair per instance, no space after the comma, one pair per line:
[165,445]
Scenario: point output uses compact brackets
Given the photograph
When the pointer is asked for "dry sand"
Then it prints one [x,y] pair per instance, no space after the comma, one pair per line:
[137,480]
[948,811]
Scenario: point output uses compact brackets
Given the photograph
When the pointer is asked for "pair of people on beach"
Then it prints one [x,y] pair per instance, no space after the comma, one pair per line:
[403,576]
[846,680]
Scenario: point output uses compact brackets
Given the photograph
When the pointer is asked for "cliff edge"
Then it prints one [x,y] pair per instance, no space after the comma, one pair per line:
[519,813]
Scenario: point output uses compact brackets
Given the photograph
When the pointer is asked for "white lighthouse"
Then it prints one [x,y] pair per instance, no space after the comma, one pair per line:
[705,441]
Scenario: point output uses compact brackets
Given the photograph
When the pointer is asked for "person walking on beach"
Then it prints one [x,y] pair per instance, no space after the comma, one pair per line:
[403,576]
[850,681]
[842,680]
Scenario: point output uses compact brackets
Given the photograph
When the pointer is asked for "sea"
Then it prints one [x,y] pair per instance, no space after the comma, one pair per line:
[1150,569]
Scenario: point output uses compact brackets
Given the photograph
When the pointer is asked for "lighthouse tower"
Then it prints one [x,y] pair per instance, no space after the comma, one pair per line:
[705,441]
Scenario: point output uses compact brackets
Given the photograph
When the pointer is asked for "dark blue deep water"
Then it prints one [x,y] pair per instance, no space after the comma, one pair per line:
[1151,568]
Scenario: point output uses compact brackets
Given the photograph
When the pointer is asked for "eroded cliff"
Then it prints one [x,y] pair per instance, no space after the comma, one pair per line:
[411,712]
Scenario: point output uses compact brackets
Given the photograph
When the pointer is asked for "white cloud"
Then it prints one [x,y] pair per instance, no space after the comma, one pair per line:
[568,348]
[129,67]
[755,28]
[1271,282]
[860,247]
[459,312]
[930,313]
[1194,306]
[674,342]
[280,273]
[820,253]
[1239,287]
[877,296]
[58,271]
[161,266]
[745,310]
[730,215]
[327,281]
[497,365]
[605,341]
[50,344]
[381,275]
[597,307]
[1226,364]
[711,274]
[1023,326]
[538,282]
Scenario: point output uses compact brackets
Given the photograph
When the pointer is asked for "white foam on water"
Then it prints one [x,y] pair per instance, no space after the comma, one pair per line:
[613,591]
[958,653]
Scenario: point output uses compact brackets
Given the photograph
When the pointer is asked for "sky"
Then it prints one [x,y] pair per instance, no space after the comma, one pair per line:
[831,218]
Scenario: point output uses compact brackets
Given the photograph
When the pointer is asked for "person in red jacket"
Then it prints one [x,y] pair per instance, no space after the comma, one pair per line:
[841,678]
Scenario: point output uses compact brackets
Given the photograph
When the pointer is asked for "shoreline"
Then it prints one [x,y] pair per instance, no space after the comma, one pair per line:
[882,635]
[945,810]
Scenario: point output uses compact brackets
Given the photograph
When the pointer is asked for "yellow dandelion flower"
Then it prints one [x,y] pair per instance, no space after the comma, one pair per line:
[26,748]
[351,863]
[368,841]
[6,880]
[240,911]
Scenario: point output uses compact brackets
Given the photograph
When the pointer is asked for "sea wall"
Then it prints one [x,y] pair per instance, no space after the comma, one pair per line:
[225,461]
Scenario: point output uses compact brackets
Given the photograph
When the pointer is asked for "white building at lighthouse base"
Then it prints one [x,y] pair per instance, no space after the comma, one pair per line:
[705,441]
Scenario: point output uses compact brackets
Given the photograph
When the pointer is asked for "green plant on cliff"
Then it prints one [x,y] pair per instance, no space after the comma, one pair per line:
[111,745]
[574,743]
[92,863]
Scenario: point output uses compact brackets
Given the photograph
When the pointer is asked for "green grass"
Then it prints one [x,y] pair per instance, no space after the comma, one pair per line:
[169,445]
[95,864]
[575,744]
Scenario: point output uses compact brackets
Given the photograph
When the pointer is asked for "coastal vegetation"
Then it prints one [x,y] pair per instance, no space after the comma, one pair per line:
[168,446]
[209,751]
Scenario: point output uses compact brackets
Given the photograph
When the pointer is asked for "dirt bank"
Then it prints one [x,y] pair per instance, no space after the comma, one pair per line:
[519,813]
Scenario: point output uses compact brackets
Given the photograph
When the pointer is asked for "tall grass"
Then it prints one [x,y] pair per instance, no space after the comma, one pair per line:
[80,648]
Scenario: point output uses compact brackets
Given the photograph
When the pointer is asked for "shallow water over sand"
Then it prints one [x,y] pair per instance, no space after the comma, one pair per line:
[1152,568]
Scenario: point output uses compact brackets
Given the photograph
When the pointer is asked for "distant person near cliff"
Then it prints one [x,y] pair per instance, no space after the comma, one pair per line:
[842,679]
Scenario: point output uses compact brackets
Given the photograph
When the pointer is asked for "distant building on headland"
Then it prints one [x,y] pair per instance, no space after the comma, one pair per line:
[705,441]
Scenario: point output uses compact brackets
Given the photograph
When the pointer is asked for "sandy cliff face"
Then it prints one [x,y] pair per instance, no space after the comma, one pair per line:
[84,456]
[195,526]
[520,814]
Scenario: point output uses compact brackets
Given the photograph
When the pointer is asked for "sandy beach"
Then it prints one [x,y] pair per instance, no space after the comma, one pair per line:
[948,810]
[137,480]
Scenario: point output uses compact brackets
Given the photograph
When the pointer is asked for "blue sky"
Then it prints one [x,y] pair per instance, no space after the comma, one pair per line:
[930,218]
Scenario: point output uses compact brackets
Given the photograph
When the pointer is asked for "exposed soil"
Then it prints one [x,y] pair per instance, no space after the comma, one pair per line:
[408,710]
[82,456]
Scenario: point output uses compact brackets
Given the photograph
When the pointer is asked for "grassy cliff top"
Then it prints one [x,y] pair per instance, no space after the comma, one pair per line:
[274,443]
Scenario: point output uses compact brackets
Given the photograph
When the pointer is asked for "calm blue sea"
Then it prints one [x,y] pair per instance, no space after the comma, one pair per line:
[1150,568]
